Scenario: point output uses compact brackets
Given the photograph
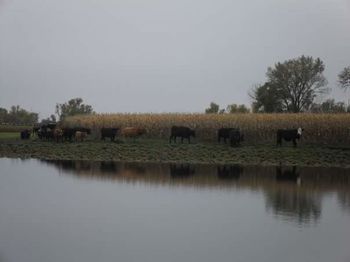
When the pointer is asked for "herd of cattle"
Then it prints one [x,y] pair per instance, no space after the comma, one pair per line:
[51,132]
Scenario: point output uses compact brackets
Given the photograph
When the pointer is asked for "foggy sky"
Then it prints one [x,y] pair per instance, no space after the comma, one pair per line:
[160,55]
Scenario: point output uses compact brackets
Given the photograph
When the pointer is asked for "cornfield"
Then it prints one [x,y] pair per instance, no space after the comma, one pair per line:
[257,128]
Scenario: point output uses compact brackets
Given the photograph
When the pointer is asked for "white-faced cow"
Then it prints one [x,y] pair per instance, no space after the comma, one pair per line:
[289,135]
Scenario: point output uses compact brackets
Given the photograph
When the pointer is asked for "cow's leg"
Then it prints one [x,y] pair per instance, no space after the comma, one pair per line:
[294,142]
[279,141]
[170,138]
[189,140]
[182,140]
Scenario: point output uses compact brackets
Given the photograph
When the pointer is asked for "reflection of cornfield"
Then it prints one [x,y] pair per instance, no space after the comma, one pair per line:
[318,128]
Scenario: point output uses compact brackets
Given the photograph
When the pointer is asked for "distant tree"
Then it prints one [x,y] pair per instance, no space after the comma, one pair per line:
[18,116]
[3,115]
[297,82]
[329,106]
[213,109]
[266,99]
[234,108]
[344,78]
[73,107]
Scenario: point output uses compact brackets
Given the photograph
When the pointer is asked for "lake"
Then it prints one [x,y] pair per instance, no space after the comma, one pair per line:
[109,211]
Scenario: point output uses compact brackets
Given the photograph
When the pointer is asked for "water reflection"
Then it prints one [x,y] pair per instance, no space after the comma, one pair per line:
[294,205]
[231,172]
[288,174]
[290,193]
[181,170]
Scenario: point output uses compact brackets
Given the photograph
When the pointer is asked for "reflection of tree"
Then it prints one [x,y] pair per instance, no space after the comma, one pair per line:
[181,170]
[232,172]
[344,199]
[301,207]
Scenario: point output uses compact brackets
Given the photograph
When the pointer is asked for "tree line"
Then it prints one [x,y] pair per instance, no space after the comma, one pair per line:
[293,86]
[19,116]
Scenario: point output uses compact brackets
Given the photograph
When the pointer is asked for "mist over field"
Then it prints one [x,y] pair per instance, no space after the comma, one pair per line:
[160,56]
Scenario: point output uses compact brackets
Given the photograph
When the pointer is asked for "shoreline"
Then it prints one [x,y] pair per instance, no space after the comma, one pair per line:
[160,151]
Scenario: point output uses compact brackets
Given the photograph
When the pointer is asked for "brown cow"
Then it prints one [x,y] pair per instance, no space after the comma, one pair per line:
[58,134]
[133,132]
[80,136]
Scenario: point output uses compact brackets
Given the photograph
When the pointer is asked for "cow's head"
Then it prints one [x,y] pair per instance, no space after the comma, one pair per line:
[192,133]
[300,131]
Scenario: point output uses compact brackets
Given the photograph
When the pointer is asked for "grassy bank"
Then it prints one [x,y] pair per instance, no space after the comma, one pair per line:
[159,150]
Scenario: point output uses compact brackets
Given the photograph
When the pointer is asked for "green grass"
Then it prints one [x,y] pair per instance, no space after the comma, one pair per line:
[9,135]
[12,128]
[157,150]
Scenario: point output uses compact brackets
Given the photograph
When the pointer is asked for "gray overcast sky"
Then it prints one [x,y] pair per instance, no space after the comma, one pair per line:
[160,55]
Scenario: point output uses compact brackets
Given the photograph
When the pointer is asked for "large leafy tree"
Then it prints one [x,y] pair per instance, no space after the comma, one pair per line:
[73,107]
[344,78]
[297,82]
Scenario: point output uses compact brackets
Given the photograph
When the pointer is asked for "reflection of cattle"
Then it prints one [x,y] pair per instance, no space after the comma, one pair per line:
[232,172]
[289,135]
[183,132]
[58,134]
[109,167]
[137,168]
[132,132]
[236,137]
[25,134]
[224,133]
[80,136]
[181,171]
[109,133]
[287,175]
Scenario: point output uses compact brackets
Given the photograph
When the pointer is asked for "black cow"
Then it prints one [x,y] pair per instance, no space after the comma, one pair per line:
[46,131]
[289,135]
[236,137]
[183,132]
[109,132]
[224,133]
[69,132]
[25,134]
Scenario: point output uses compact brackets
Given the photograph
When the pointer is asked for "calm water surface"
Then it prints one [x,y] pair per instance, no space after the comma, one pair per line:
[105,211]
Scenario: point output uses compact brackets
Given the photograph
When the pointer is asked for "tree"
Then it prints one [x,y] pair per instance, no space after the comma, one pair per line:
[213,108]
[234,108]
[18,116]
[73,107]
[344,78]
[297,82]
[329,106]
[266,99]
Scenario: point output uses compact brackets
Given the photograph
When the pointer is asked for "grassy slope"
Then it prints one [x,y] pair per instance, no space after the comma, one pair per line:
[9,135]
[156,150]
